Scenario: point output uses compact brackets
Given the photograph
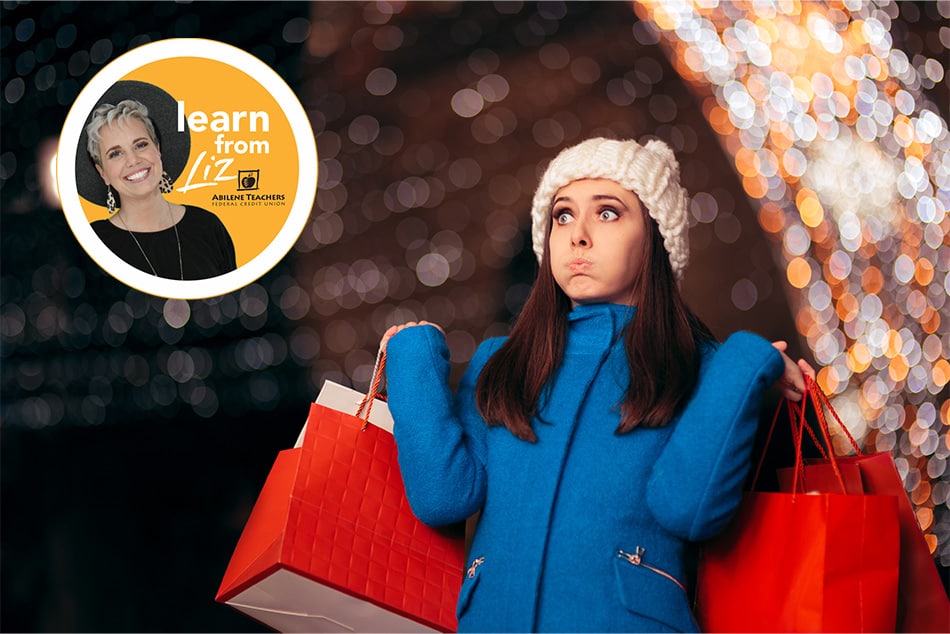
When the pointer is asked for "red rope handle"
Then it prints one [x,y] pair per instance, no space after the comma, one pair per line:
[373,392]
[814,438]
[799,425]
[811,388]
[768,441]
[821,399]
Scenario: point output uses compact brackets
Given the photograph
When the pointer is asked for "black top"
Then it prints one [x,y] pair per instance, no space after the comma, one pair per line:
[206,247]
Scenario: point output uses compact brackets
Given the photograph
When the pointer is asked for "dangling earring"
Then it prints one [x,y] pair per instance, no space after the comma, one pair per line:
[166,185]
[110,200]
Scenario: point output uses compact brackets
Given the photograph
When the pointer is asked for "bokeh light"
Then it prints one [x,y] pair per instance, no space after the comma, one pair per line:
[829,127]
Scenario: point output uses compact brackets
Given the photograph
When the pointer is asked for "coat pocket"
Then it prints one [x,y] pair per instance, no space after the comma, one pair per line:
[469,582]
[651,592]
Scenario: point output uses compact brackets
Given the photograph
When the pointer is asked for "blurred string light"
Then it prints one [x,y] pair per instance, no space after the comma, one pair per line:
[152,354]
[830,130]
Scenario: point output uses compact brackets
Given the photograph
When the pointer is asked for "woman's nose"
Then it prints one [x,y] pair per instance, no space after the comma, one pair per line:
[579,234]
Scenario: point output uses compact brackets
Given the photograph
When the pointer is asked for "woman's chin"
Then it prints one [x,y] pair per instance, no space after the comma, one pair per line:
[139,191]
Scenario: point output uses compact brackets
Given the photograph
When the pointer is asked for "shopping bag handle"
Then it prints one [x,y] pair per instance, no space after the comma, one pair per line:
[798,424]
[798,428]
[821,402]
[373,392]
[791,407]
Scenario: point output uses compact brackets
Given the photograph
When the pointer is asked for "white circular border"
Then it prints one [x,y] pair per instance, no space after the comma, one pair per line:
[306,159]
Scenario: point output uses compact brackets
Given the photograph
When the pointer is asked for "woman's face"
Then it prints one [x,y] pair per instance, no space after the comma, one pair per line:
[598,234]
[131,162]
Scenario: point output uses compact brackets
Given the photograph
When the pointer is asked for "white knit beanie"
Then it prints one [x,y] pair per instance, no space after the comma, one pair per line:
[650,171]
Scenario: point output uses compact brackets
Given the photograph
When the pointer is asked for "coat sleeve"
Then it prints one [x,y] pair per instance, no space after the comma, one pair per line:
[696,484]
[440,438]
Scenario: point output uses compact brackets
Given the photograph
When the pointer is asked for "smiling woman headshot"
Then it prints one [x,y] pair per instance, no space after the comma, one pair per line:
[134,153]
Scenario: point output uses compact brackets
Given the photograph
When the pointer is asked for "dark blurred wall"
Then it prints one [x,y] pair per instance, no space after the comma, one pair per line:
[123,493]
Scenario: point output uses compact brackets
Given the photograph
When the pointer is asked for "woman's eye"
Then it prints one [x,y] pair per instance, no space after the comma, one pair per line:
[608,214]
[141,145]
[563,217]
[114,154]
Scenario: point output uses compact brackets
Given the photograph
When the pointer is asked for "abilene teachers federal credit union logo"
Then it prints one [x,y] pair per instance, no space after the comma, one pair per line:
[248,179]
[236,145]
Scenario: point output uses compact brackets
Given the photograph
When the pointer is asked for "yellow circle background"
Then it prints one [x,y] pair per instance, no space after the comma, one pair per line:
[212,86]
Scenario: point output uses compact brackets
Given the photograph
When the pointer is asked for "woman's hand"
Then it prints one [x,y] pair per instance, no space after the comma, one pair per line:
[792,382]
[394,329]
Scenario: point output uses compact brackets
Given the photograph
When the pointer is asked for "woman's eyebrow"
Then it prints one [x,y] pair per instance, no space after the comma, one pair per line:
[609,197]
[119,145]
[567,199]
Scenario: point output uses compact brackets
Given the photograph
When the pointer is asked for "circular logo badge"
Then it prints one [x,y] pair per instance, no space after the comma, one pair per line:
[187,168]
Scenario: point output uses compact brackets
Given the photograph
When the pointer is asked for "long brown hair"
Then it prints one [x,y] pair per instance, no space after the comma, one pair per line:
[662,342]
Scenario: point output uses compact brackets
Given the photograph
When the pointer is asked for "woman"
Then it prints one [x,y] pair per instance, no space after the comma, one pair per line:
[608,433]
[180,242]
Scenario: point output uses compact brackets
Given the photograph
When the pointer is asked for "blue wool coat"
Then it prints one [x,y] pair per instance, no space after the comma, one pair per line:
[563,519]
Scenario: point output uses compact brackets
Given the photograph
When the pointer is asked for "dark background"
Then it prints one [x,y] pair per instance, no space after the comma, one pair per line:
[126,480]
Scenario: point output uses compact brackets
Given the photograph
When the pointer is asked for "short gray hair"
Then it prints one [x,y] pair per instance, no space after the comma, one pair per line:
[108,114]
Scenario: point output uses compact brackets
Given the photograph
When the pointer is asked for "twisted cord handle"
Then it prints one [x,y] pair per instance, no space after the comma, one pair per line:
[373,392]
[799,426]
[821,401]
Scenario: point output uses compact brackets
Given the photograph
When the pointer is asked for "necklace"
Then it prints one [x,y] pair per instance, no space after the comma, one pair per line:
[181,267]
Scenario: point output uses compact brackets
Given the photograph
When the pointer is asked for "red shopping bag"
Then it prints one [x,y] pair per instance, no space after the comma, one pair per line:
[922,603]
[803,561]
[331,543]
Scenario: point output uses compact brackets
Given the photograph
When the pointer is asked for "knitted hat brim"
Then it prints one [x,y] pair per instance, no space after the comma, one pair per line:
[650,171]
[174,146]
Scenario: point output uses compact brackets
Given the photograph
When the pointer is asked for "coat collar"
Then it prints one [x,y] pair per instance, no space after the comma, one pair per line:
[595,327]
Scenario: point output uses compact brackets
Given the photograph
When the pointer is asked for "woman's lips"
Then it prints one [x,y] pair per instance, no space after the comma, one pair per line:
[579,265]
